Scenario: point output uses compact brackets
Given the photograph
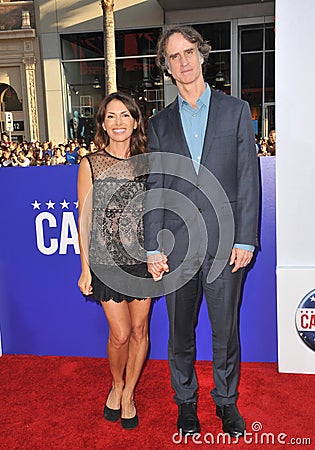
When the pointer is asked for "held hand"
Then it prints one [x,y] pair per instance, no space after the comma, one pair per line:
[157,265]
[240,258]
[84,283]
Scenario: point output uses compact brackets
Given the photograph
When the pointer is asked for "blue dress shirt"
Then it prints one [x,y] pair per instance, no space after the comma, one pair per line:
[194,121]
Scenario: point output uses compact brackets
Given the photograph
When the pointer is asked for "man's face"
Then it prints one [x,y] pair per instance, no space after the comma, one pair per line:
[184,60]
[272,136]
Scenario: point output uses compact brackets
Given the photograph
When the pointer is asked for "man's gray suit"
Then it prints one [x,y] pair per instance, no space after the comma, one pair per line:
[229,153]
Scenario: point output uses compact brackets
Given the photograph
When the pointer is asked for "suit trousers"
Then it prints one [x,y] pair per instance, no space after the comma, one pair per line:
[223,300]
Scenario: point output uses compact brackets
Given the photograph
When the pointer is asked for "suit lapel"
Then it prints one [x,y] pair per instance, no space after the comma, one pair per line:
[213,118]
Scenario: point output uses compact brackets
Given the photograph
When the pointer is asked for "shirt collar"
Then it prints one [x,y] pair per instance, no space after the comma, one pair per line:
[204,99]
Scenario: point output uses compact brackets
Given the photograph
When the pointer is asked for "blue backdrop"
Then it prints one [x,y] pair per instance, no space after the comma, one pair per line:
[42,311]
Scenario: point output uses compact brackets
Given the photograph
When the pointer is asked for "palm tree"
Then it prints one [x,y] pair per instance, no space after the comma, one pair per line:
[109,45]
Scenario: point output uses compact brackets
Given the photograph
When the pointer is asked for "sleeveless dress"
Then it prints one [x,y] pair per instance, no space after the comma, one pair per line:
[117,257]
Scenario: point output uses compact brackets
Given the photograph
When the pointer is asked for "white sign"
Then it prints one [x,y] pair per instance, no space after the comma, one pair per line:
[8,121]
[296,320]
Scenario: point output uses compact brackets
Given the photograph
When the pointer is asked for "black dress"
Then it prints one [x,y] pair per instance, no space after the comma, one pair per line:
[116,250]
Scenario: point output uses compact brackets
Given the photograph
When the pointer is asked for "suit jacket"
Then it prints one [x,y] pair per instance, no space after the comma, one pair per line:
[226,187]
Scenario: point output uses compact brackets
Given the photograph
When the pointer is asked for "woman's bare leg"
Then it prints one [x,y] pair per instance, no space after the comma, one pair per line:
[138,348]
[118,317]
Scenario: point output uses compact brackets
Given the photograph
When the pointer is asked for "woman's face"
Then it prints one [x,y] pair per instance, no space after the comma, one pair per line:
[118,122]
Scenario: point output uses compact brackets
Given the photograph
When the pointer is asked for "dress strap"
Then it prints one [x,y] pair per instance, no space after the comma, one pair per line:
[91,167]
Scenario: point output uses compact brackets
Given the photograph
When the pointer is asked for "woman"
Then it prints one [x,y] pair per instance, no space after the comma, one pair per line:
[116,231]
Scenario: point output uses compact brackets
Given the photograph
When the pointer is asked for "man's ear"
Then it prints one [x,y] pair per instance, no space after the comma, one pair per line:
[168,66]
[201,58]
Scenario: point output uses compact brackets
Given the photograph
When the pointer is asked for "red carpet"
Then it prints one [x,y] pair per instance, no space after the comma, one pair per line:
[57,402]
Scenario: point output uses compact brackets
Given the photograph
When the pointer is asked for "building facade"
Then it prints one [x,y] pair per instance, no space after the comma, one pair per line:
[52,59]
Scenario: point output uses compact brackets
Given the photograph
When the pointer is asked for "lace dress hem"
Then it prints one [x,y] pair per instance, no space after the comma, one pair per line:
[103,293]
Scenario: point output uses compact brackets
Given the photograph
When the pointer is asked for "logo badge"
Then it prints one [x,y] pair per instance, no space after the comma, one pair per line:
[305,319]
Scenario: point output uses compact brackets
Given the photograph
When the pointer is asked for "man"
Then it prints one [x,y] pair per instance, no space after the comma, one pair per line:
[21,160]
[272,143]
[7,159]
[215,133]
[72,153]
[57,158]
[47,149]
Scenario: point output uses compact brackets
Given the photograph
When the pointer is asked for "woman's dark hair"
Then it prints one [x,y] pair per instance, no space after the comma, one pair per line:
[138,137]
[188,33]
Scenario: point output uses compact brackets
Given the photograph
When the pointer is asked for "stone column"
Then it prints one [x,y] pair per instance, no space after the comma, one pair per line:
[30,63]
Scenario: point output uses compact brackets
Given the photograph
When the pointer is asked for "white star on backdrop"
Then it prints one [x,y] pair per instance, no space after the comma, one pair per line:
[36,205]
[50,205]
[313,298]
[65,204]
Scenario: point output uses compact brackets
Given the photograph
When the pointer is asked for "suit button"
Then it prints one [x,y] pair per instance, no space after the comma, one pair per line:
[200,210]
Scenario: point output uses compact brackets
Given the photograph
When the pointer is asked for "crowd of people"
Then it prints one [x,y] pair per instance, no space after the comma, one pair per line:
[267,146]
[47,153]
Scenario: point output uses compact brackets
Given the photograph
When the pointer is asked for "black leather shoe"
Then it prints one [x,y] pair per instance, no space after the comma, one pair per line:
[232,422]
[188,422]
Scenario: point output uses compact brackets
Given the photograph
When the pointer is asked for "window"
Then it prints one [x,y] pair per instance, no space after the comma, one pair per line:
[218,68]
[257,74]
[137,73]
[82,46]
[139,42]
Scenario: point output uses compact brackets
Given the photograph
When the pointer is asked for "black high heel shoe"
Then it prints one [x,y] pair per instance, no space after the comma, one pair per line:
[111,414]
[129,424]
